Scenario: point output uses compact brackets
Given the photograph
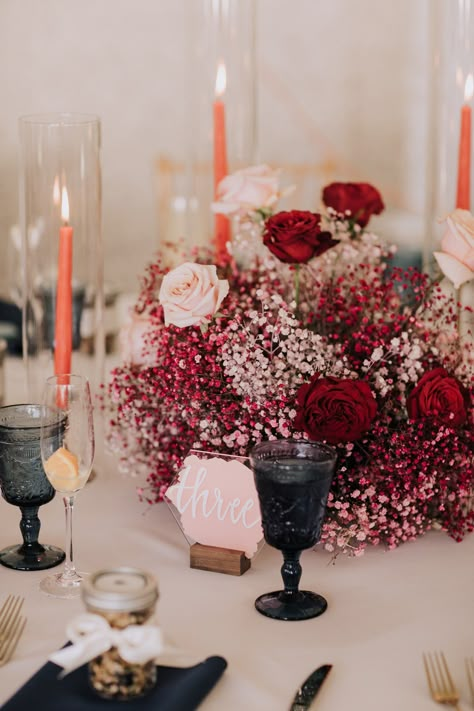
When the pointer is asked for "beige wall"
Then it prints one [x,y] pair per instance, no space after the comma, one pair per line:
[343,80]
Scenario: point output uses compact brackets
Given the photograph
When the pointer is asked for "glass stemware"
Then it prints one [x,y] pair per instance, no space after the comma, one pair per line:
[23,482]
[68,463]
[293,479]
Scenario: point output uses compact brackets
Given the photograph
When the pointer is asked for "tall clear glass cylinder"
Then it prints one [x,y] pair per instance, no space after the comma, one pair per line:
[452,61]
[450,160]
[62,257]
[223,109]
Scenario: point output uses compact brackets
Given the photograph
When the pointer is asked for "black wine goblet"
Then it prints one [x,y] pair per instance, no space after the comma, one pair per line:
[293,479]
[23,483]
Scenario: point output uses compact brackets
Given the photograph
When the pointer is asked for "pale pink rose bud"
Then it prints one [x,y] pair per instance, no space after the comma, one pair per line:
[247,190]
[191,294]
[456,260]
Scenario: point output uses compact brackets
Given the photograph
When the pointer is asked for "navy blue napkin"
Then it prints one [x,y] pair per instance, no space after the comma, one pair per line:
[177,689]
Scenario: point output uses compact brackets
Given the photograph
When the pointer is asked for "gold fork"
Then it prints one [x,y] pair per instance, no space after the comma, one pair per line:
[440,681]
[470,676]
[11,627]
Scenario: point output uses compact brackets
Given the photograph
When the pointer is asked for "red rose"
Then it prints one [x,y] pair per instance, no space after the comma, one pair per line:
[438,395]
[362,200]
[333,409]
[295,237]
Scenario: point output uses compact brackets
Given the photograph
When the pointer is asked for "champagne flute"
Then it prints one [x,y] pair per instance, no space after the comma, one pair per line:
[67,462]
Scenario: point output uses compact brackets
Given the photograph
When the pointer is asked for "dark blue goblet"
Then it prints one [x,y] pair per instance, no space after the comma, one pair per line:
[293,479]
[23,483]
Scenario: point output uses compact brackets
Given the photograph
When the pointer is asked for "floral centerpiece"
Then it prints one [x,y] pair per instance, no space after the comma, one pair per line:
[320,338]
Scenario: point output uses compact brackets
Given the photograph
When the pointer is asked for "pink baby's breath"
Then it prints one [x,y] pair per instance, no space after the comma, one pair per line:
[235,384]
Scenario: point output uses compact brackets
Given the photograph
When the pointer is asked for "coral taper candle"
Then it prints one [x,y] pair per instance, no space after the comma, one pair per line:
[63,326]
[222,231]
[463,194]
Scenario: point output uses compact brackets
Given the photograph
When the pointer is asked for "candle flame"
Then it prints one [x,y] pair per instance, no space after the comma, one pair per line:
[221,79]
[56,191]
[64,205]
[468,88]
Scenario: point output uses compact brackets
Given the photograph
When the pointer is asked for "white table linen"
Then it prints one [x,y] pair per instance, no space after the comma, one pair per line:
[385,608]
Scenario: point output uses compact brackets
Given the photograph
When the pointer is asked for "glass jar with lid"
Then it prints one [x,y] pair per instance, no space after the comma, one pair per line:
[123,597]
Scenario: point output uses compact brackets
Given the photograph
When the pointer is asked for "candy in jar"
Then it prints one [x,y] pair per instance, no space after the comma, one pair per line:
[125,598]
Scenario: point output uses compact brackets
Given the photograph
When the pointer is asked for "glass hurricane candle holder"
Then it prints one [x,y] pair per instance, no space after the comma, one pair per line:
[449,173]
[60,210]
[293,479]
[222,109]
[449,184]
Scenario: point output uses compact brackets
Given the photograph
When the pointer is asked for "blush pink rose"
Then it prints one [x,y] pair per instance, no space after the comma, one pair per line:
[247,190]
[132,340]
[191,294]
[456,260]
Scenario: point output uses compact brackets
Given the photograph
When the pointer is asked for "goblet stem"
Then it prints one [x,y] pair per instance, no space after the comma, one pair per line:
[291,573]
[70,572]
[30,527]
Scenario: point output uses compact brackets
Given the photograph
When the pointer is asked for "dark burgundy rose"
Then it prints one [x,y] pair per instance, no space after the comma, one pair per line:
[333,409]
[295,237]
[440,396]
[361,199]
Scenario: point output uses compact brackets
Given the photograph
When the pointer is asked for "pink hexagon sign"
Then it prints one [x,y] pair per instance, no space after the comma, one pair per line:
[217,503]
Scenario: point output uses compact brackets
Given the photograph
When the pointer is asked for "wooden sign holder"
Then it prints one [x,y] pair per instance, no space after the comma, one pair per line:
[218,560]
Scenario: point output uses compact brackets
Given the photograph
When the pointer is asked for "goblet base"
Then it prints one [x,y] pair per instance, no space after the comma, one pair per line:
[57,586]
[15,557]
[302,605]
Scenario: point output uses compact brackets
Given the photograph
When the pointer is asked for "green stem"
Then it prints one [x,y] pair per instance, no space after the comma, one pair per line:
[297,285]
[457,299]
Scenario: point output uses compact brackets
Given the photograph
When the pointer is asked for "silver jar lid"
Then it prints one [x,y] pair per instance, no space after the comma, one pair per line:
[119,590]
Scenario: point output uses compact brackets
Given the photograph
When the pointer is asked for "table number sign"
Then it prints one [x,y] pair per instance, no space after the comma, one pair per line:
[215,503]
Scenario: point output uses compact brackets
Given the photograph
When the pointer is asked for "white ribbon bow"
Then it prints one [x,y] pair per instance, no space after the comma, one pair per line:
[92,635]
